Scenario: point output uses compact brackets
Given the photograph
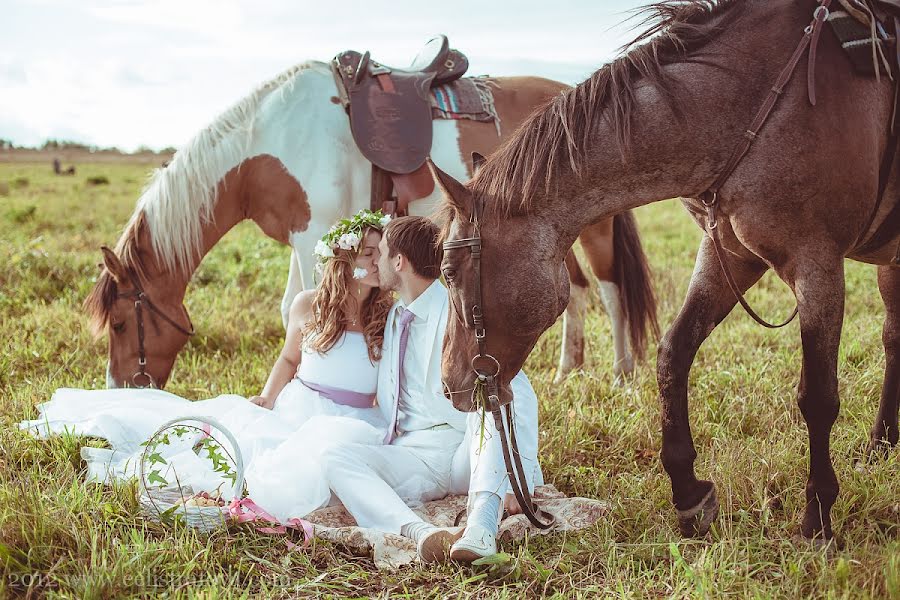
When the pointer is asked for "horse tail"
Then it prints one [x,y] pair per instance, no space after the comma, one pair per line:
[631,273]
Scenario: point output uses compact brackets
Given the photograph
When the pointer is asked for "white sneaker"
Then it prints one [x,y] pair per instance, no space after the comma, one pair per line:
[435,545]
[476,542]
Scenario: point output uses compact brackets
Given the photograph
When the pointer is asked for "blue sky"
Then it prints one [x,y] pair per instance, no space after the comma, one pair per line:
[152,72]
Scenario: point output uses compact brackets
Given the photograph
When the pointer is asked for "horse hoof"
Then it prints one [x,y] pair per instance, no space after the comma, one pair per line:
[817,544]
[696,521]
[878,450]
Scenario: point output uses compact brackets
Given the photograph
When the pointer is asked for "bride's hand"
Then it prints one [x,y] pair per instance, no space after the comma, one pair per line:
[262,401]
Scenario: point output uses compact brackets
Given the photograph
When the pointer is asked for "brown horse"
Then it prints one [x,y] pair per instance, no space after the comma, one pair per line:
[244,166]
[662,121]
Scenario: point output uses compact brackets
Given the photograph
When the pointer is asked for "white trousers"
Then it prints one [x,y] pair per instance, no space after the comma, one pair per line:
[488,468]
[376,484]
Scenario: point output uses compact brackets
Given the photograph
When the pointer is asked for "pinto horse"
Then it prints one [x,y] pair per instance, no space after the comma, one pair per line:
[284,157]
[674,117]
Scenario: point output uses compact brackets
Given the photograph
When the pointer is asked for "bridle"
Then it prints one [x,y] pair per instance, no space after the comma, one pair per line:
[487,370]
[141,378]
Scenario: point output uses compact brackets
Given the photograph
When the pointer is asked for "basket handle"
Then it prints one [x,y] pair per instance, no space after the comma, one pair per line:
[238,457]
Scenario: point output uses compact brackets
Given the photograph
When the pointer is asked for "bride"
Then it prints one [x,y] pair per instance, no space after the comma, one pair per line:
[321,390]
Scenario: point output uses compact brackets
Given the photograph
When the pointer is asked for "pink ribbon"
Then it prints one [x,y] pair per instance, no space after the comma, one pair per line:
[246,510]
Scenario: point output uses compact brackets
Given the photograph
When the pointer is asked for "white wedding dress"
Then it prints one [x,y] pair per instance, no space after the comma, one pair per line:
[280,447]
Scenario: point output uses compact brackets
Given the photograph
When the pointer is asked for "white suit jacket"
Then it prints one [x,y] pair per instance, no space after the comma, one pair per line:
[433,400]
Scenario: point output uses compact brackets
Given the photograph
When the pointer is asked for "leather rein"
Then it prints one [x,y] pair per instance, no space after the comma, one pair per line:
[141,378]
[710,197]
[487,370]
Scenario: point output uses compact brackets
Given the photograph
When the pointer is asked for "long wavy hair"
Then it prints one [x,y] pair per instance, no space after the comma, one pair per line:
[329,322]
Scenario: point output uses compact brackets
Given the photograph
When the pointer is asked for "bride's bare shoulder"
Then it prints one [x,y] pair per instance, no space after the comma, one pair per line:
[301,307]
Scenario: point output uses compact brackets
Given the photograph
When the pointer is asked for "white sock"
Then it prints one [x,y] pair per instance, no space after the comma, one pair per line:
[485,510]
[416,530]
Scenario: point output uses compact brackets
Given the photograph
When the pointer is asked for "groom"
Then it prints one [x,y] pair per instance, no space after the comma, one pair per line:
[427,439]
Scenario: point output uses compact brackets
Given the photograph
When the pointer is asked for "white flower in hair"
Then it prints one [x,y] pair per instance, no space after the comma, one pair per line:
[323,250]
[384,221]
[348,241]
[360,273]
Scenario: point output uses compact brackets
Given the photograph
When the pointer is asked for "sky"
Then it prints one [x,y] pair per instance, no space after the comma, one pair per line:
[132,73]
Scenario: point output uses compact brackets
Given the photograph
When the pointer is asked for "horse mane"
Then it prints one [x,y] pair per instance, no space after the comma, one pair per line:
[555,137]
[179,199]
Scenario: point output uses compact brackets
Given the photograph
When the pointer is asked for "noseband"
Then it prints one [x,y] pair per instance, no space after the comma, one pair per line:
[141,378]
[487,371]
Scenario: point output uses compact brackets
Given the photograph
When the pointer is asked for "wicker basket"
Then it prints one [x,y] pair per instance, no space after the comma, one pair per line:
[166,504]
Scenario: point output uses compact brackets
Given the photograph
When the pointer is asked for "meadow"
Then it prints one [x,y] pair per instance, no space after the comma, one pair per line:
[62,538]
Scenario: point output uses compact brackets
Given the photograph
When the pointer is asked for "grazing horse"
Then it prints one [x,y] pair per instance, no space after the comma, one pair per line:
[285,158]
[674,117]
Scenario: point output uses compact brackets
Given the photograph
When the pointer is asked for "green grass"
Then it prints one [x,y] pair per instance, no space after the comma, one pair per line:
[68,540]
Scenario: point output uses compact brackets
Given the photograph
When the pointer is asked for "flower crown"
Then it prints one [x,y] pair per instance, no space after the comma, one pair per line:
[346,234]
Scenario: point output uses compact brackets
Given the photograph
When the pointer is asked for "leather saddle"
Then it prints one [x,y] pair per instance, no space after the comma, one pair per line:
[389,107]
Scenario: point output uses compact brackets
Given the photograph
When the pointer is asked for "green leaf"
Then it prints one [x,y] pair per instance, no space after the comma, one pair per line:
[155,477]
[156,458]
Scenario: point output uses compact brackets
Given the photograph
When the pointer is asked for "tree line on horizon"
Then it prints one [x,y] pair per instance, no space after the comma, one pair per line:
[54,144]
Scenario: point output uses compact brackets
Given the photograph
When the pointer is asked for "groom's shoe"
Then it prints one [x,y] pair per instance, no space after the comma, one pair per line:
[477,542]
[435,545]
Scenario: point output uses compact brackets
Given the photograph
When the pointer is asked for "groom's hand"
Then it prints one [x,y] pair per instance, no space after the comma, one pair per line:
[264,402]
[511,505]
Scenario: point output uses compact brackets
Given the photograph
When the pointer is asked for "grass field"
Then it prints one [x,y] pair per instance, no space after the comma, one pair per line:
[59,538]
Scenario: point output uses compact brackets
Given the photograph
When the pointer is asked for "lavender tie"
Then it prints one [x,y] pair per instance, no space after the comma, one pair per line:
[406,317]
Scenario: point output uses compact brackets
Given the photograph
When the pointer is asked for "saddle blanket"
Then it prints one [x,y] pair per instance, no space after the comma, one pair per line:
[391,551]
[466,98]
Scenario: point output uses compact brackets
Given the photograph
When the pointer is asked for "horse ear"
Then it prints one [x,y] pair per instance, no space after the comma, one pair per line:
[114,265]
[477,162]
[456,193]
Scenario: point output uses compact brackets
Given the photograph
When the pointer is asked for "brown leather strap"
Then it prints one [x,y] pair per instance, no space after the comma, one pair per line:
[712,228]
[814,31]
[710,197]
[810,33]
[386,83]
[517,480]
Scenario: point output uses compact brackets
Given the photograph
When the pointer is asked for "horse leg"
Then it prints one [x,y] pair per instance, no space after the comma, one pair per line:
[885,431]
[597,242]
[294,286]
[572,352]
[819,287]
[623,364]
[708,302]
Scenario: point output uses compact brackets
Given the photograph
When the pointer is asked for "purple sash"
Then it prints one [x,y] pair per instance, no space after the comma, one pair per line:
[343,397]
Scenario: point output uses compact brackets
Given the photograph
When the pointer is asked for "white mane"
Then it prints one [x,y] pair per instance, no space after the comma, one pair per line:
[179,199]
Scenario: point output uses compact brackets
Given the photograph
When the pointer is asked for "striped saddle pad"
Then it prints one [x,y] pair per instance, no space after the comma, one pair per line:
[466,98]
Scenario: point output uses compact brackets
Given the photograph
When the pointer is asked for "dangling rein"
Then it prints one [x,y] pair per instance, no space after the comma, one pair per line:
[710,198]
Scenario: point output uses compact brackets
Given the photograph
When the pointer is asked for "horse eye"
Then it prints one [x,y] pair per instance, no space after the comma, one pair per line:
[449,274]
[118,327]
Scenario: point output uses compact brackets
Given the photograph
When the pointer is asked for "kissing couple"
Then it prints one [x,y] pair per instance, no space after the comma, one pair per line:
[353,411]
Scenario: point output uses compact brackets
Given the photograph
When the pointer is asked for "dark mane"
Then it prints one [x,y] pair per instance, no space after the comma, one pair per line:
[554,137]
[104,294]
